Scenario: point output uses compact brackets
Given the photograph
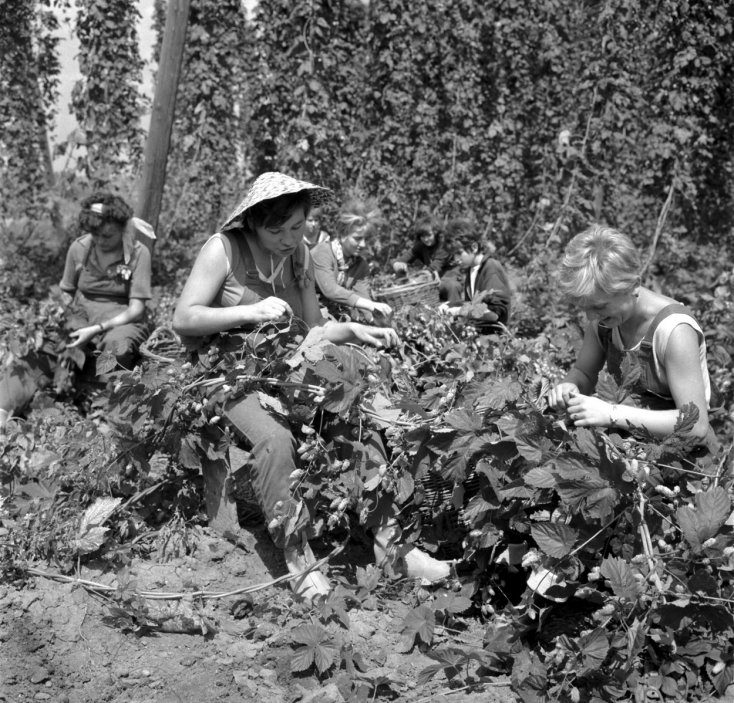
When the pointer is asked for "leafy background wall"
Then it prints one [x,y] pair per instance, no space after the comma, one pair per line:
[516,114]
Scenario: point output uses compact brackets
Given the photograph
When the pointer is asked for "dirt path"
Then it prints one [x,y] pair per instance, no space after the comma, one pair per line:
[61,643]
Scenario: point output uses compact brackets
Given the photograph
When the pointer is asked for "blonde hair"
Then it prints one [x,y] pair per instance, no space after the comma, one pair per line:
[599,259]
[358,212]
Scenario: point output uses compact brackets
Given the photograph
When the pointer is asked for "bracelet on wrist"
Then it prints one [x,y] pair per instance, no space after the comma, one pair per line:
[101,328]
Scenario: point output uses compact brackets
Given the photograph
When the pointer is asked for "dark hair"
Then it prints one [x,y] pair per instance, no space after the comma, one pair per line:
[100,207]
[462,233]
[275,211]
[423,226]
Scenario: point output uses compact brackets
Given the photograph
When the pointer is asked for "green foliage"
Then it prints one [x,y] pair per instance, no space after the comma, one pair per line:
[207,162]
[305,73]
[551,126]
[29,76]
[107,102]
[532,118]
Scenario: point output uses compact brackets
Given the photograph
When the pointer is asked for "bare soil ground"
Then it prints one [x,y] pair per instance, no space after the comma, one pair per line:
[61,642]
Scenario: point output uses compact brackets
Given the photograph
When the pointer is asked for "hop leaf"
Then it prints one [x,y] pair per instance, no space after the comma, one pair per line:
[97,514]
[554,539]
[420,622]
[316,648]
[687,419]
[91,534]
[711,511]
[453,603]
[594,648]
[619,573]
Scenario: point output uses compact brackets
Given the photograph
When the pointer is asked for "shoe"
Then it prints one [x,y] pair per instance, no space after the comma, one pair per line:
[311,585]
[419,565]
[405,560]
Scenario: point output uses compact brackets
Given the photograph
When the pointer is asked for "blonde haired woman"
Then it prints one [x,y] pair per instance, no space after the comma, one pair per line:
[339,265]
[600,273]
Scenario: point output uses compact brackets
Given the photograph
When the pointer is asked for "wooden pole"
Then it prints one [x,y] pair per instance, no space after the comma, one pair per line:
[153,177]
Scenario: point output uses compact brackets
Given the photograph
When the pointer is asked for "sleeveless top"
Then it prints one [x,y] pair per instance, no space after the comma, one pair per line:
[649,353]
[243,285]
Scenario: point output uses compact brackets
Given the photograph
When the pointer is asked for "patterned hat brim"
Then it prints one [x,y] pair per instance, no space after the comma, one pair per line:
[272,185]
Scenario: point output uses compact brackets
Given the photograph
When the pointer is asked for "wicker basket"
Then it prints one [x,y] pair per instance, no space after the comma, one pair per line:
[421,288]
[163,345]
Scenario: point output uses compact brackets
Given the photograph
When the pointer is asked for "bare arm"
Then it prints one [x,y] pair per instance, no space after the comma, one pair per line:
[195,316]
[345,332]
[685,380]
[134,311]
[581,377]
[326,278]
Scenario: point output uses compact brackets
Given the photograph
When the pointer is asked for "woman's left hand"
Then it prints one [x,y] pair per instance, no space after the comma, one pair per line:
[81,336]
[380,337]
[588,411]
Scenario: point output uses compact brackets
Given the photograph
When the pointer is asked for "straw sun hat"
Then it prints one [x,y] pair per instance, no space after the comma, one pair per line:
[272,185]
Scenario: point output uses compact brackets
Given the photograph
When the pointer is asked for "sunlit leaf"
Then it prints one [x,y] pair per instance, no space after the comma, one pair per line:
[713,507]
[555,539]
[621,578]
[687,419]
[452,603]
[690,526]
[97,513]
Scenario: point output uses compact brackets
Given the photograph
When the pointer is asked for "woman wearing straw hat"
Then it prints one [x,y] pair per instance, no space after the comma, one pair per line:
[257,269]
[105,286]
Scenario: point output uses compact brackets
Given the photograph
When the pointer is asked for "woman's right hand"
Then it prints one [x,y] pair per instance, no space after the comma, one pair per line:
[80,337]
[380,337]
[560,395]
[381,309]
[268,310]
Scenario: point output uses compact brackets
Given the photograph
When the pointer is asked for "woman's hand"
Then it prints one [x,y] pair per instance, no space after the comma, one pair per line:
[380,337]
[269,310]
[560,395]
[382,309]
[448,309]
[588,411]
[83,335]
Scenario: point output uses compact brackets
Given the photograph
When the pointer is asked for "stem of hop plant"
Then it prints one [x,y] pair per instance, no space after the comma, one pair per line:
[647,542]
